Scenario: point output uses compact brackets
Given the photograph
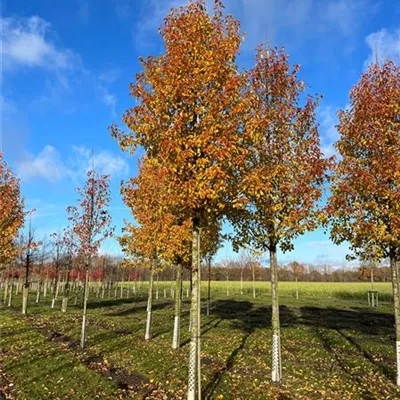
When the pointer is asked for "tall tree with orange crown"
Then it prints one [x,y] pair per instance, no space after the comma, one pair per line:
[148,198]
[11,212]
[284,170]
[188,116]
[365,202]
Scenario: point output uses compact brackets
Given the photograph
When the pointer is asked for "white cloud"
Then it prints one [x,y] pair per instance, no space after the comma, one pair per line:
[327,127]
[110,76]
[104,162]
[154,13]
[297,21]
[326,252]
[343,15]
[44,209]
[46,165]
[50,166]
[384,45]
[281,22]
[25,42]
[108,99]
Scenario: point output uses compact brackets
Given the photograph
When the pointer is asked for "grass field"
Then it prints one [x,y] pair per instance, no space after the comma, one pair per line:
[333,347]
[345,290]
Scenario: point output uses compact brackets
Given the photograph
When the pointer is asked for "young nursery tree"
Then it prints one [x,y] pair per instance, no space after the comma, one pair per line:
[70,251]
[365,201]
[188,116]
[28,253]
[58,258]
[11,213]
[91,224]
[147,198]
[297,270]
[41,262]
[284,170]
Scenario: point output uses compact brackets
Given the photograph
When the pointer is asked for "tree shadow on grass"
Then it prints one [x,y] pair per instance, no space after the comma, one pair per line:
[247,318]
[250,316]
[135,309]
[366,322]
[331,349]
[213,323]
[383,368]
[361,320]
[113,302]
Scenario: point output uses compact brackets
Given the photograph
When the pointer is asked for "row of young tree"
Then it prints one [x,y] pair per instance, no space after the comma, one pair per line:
[89,224]
[225,145]
[221,144]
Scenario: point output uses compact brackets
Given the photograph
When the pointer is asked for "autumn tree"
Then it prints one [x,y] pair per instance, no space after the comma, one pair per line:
[58,248]
[11,213]
[297,270]
[91,223]
[243,262]
[161,234]
[145,195]
[365,201]
[28,248]
[226,264]
[41,262]
[285,169]
[188,116]
[70,251]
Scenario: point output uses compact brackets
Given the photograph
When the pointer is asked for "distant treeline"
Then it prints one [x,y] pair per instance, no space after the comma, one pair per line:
[113,269]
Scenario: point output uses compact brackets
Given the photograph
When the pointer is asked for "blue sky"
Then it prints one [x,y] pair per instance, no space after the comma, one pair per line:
[66,71]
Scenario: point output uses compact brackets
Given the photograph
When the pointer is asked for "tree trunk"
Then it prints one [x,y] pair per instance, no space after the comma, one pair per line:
[85,297]
[177,321]
[64,303]
[10,296]
[198,318]
[38,291]
[394,266]
[25,294]
[190,282]
[297,289]
[25,291]
[55,290]
[46,282]
[254,281]
[6,291]
[57,287]
[194,362]
[276,335]
[372,278]
[149,305]
[209,288]
[157,287]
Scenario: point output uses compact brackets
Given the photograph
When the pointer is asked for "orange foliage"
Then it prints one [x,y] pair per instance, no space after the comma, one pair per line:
[11,212]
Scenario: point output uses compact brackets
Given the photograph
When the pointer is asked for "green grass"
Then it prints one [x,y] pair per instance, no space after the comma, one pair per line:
[339,290]
[333,347]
